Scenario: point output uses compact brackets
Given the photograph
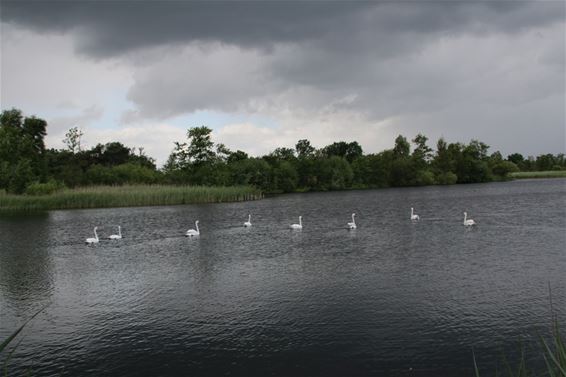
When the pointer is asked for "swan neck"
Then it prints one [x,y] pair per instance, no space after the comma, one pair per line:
[95,234]
[120,231]
[300,221]
[196,226]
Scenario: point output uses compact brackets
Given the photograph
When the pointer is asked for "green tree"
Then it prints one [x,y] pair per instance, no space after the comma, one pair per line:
[349,151]
[516,158]
[252,171]
[200,149]
[304,149]
[422,153]
[502,168]
[21,150]
[472,165]
[335,173]
[286,154]
[21,177]
[73,139]
[12,118]
[285,177]
[35,129]
[237,156]
[402,147]
[545,162]
[222,152]
[443,161]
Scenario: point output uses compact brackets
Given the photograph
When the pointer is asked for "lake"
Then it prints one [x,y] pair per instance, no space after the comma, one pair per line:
[391,298]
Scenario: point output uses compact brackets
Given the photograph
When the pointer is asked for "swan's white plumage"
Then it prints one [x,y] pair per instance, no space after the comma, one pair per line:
[352,225]
[468,222]
[299,225]
[193,232]
[414,216]
[92,240]
[117,236]
[249,222]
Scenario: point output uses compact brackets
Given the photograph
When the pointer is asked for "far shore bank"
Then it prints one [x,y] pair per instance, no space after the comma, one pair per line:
[538,174]
[164,195]
[127,196]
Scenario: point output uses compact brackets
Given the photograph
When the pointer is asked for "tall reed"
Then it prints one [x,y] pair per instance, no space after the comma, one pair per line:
[127,196]
[538,174]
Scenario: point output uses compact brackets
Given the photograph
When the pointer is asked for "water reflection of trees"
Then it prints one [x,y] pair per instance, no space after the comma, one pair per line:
[26,268]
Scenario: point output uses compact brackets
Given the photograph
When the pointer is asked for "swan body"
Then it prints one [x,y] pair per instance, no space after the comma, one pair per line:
[193,232]
[116,236]
[468,222]
[94,240]
[249,222]
[299,225]
[414,216]
[352,225]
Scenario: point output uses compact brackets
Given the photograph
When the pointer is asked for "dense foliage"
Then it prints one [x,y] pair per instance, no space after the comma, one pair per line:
[26,166]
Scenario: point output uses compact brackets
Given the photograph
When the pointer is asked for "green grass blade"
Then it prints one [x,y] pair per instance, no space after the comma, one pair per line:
[476,370]
[7,341]
[7,361]
[550,354]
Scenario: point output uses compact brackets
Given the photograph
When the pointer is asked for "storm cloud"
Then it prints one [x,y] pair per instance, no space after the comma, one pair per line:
[390,67]
[107,28]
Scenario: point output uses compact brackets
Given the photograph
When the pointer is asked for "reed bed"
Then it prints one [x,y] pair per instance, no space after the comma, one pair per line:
[127,196]
[538,174]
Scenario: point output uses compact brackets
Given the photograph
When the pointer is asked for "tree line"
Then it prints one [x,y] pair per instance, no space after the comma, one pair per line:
[27,166]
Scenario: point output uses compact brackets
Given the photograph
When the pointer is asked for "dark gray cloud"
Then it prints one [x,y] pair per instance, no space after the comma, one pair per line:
[108,28]
[325,70]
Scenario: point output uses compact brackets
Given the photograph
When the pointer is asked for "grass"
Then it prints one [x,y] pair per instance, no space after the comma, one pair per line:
[127,196]
[4,345]
[538,174]
[552,349]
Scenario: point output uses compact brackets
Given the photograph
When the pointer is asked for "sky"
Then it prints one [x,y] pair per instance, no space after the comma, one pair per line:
[264,74]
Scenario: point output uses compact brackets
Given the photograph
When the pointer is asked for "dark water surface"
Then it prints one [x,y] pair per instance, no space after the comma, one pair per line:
[389,296]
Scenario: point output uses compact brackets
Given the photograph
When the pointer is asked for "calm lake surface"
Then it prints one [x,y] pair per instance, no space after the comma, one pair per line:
[389,296]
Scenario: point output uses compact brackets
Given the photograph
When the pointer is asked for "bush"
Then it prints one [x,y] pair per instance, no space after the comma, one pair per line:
[285,177]
[48,188]
[135,174]
[425,178]
[447,178]
[21,177]
[503,168]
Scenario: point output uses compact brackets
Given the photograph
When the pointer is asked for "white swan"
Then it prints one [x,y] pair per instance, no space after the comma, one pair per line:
[116,236]
[299,225]
[414,216]
[249,222]
[468,222]
[352,225]
[192,232]
[91,241]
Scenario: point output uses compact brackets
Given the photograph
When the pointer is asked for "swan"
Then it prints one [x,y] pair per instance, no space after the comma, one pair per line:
[299,225]
[414,216]
[94,240]
[468,222]
[352,225]
[116,236]
[249,222]
[192,232]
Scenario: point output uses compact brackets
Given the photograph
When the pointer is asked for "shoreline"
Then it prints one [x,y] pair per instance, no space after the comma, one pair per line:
[538,174]
[127,196]
[167,195]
